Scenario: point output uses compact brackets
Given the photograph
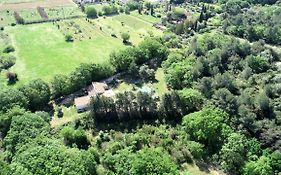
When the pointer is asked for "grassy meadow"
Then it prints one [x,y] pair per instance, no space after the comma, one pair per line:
[136,27]
[42,51]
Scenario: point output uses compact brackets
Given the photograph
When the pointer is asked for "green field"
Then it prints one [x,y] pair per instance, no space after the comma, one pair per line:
[147,18]
[136,27]
[42,51]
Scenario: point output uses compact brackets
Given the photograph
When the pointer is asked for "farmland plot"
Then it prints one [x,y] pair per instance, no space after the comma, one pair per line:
[35,4]
[43,52]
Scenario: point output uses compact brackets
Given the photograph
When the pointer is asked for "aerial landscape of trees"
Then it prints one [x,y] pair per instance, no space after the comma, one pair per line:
[203,97]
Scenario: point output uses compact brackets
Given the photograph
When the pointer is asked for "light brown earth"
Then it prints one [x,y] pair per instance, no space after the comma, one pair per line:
[35,4]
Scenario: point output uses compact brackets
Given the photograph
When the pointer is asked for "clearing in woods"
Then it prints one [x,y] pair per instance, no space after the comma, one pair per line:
[42,51]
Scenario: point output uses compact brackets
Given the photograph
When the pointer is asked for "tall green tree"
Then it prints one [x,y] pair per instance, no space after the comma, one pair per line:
[38,94]
[153,161]
[23,128]
[10,98]
[208,126]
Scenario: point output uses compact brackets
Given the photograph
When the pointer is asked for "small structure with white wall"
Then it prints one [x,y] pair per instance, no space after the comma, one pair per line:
[96,89]
[82,103]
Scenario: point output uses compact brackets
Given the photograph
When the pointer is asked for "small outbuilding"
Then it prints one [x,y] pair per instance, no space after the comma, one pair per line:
[82,103]
[97,88]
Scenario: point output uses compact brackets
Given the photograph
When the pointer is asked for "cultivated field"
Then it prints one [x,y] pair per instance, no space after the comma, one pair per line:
[19,4]
[31,15]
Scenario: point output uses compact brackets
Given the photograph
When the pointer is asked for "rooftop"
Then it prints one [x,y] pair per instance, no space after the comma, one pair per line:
[98,88]
[82,101]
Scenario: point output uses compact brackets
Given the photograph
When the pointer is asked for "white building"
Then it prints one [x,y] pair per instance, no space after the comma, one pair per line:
[96,88]
[82,103]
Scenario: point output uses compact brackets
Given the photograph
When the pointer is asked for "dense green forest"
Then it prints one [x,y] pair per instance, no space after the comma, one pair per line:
[219,108]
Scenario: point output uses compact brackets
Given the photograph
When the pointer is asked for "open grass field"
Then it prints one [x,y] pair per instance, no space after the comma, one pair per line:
[144,17]
[42,51]
[136,27]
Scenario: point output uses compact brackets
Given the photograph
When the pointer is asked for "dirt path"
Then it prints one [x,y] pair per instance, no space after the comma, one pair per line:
[32,5]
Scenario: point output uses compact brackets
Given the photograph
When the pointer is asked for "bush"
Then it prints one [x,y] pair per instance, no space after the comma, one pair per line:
[7,61]
[9,49]
[10,98]
[125,36]
[121,10]
[196,149]
[257,63]
[75,136]
[192,99]
[127,10]
[146,73]
[12,77]
[69,38]
[38,94]
[109,10]
[153,161]
[91,12]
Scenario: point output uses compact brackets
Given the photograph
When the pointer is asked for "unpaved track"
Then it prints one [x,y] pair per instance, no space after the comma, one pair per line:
[33,5]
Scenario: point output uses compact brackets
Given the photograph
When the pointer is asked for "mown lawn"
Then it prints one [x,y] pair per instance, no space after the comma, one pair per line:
[147,18]
[42,51]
